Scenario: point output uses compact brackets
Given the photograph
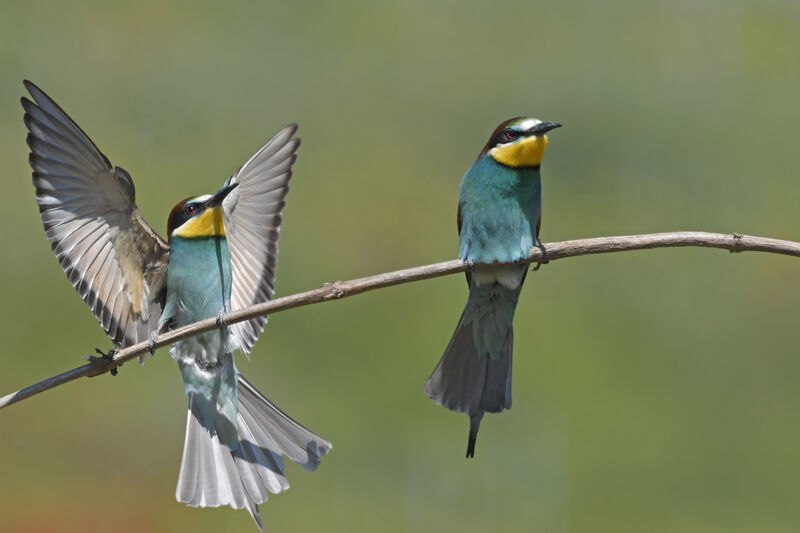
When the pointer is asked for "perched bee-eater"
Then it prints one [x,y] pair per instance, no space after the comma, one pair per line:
[221,255]
[499,214]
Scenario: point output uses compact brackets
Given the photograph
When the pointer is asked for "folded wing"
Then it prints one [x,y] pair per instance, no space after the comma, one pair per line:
[115,261]
[252,216]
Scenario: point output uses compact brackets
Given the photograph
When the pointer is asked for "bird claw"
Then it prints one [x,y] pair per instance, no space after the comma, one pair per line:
[152,344]
[544,260]
[221,322]
[104,359]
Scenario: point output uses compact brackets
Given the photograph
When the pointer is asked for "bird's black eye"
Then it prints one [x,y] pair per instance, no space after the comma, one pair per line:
[190,209]
[510,135]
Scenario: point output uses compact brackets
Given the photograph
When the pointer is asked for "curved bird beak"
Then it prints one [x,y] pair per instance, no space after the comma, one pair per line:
[220,195]
[544,127]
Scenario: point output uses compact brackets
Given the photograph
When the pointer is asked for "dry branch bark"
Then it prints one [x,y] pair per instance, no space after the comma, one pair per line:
[341,289]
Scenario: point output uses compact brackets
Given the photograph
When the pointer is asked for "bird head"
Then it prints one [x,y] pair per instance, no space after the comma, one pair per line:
[519,142]
[200,216]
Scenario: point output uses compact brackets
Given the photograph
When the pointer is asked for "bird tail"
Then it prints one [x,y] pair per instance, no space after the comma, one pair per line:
[212,474]
[474,374]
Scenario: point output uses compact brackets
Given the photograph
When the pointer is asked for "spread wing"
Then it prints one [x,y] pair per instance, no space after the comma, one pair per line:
[252,217]
[115,261]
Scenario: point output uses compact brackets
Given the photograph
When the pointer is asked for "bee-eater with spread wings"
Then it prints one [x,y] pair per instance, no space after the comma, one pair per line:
[221,255]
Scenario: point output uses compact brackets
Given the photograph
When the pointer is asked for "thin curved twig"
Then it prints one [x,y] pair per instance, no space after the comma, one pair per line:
[341,289]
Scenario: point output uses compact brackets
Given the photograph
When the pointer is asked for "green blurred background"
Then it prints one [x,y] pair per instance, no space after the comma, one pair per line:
[653,391]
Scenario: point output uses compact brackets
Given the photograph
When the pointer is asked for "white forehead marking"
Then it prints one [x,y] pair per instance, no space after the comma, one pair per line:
[203,198]
[528,123]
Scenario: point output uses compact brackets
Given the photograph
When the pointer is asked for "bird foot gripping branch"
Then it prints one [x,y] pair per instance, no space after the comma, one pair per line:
[544,260]
[102,362]
[221,322]
[152,344]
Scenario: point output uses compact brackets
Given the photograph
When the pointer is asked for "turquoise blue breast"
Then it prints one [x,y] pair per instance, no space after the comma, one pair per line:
[500,208]
[200,273]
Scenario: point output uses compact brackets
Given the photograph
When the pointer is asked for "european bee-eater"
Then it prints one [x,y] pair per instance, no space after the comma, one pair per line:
[499,214]
[221,255]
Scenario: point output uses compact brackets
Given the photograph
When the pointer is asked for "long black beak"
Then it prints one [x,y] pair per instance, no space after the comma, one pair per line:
[544,127]
[220,195]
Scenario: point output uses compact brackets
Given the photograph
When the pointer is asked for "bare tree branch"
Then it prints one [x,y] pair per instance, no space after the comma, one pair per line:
[341,289]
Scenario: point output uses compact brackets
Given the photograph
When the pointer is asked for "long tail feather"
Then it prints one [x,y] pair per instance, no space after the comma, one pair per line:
[212,475]
[466,382]
[474,426]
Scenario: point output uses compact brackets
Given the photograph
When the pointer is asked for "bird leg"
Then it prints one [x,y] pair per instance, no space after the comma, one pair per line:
[151,344]
[221,319]
[544,260]
[104,359]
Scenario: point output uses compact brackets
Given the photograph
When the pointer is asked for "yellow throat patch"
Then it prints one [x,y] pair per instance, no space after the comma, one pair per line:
[207,224]
[527,152]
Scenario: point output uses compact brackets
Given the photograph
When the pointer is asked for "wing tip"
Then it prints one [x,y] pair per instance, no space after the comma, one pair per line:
[36,93]
[290,130]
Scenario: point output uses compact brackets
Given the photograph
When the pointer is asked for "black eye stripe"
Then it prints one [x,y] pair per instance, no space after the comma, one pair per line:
[192,208]
[183,215]
[502,138]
